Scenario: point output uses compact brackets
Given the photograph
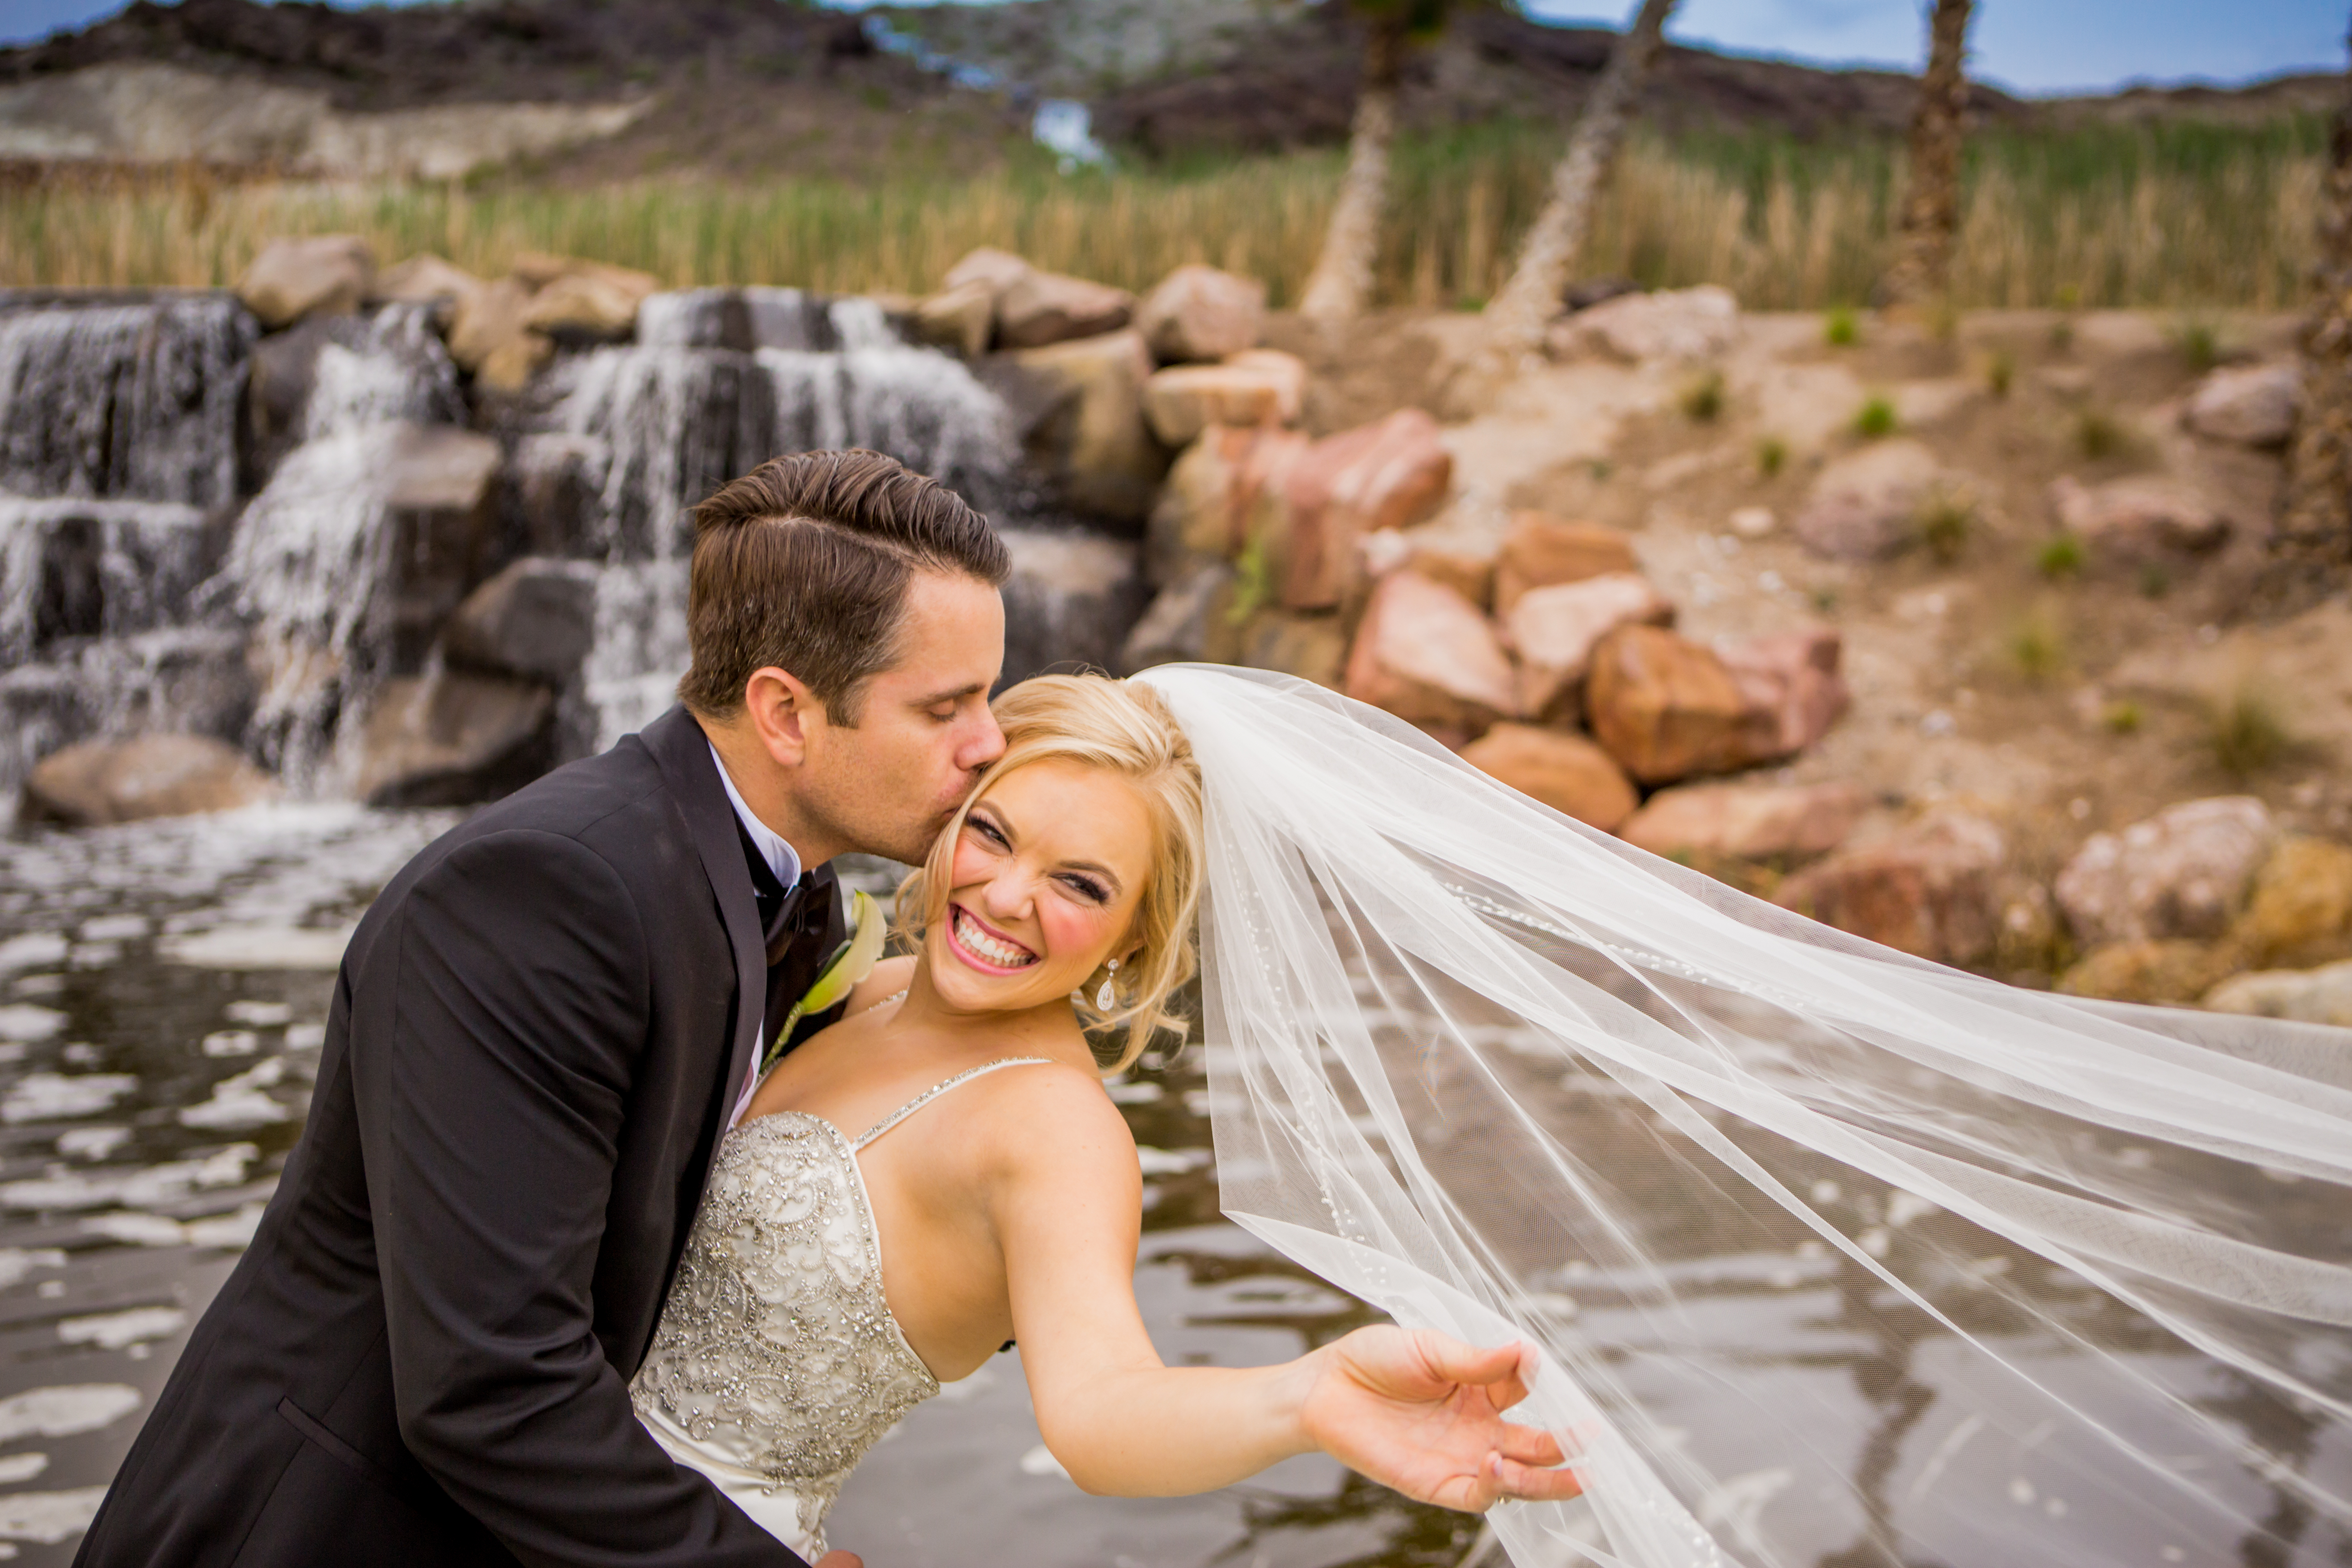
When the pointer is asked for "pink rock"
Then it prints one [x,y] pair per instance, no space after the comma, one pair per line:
[1565,772]
[1540,551]
[1226,488]
[2184,872]
[1929,890]
[1425,654]
[1866,506]
[1391,473]
[1746,822]
[1555,629]
[2255,406]
[2140,519]
[1199,312]
[1666,707]
[1794,677]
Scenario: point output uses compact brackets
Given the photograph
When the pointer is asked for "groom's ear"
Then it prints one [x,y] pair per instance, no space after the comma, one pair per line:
[781,710]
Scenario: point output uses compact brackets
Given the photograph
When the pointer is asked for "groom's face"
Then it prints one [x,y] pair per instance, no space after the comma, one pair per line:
[889,785]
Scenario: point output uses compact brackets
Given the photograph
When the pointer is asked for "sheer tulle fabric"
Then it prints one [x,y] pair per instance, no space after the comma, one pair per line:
[2084,1266]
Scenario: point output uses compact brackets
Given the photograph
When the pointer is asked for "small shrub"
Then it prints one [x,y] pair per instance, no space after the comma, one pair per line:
[1771,457]
[2062,337]
[2036,646]
[2199,345]
[2121,717]
[2000,371]
[1841,328]
[1252,581]
[1824,597]
[2245,734]
[1599,468]
[1876,420]
[1944,521]
[1702,398]
[2099,434]
[2155,581]
[2060,557]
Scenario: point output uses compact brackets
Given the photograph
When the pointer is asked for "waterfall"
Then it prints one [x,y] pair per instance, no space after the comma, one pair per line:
[137,399]
[718,381]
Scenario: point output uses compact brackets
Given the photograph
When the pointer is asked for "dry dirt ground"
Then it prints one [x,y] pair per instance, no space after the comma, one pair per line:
[2058,705]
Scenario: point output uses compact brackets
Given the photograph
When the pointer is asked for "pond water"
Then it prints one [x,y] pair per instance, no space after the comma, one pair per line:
[162,991]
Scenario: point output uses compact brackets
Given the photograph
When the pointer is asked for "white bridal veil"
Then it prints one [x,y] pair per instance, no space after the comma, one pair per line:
[1834,1256]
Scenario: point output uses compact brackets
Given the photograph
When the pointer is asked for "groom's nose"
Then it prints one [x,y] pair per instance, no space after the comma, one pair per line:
[981,742]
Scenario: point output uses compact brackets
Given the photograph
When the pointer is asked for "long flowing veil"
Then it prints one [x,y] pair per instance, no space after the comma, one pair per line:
[2077,1272]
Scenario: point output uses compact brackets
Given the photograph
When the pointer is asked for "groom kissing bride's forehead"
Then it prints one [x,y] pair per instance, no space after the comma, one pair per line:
[540,1034]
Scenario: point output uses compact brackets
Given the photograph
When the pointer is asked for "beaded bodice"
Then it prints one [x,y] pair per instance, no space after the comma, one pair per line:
[776,1352]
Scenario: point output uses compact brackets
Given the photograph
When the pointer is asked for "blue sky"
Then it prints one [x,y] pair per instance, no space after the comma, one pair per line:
[2029,46]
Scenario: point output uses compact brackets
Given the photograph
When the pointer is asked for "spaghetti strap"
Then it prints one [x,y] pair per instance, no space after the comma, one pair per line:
[937,1089]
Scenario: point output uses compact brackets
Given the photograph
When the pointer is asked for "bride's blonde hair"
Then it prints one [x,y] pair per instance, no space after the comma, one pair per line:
[1124,727]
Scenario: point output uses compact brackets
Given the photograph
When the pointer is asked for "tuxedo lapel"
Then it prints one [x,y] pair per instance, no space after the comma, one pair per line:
[683,750]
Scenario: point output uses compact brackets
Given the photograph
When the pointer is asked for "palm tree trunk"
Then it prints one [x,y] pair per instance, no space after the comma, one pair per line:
[1341,282]
[1516,320]
[2316,522]
[1921,269]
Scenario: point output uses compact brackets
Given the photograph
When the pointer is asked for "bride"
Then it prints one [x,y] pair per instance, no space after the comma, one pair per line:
[1452,1038]
[856,1249]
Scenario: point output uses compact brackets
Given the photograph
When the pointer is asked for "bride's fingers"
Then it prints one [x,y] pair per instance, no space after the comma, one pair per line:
[1531,1446]
[1448,1360]
[1530,1485]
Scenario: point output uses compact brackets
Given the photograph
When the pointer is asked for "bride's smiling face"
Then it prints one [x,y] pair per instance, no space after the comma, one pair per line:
[1047,871]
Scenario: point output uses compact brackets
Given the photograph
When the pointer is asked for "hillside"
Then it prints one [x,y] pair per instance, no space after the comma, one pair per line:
[578,94]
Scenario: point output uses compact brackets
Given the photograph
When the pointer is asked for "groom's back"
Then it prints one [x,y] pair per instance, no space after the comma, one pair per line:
[549,984]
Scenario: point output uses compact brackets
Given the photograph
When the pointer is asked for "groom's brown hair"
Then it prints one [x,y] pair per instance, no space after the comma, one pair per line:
[803,564]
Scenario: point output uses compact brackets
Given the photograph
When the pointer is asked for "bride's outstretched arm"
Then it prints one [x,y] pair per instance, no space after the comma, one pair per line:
[1413,1409]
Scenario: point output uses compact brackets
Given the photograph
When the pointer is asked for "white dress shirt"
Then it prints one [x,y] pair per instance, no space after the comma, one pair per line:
[785,862]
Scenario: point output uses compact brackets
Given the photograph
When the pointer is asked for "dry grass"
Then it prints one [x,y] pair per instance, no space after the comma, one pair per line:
[2184,219]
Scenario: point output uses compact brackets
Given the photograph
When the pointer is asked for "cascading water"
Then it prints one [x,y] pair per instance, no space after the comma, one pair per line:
[718,381]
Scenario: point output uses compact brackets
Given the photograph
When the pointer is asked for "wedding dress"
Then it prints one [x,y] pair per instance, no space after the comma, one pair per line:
[777,1364]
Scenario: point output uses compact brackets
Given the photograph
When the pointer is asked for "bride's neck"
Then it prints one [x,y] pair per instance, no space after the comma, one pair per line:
[1050,1028]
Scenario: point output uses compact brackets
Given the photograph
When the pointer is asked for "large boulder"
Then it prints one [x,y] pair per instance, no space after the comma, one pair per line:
[1540,552]
[1865,505]
[440,494]
[426,279]
[1931,888]
[536,619]
[2322,995]
[2301,910]
[2183,873]
[327,274]
[1566,772]
[1554,630]
[1226,489]
[963,317]
[487,336]
[1176,626]
[453,739]
[1258,386]
[585,301]
[1786,823]
[1079,406]
[556,483]
[1794,677]
[1673,324]
[1463,558]
[1425,654]
[1310,647]
[1040,308]
[990,269]
[1391,473]
[2141,519]
[99,782]
[2253,405]
[1666,707]
[1199,312]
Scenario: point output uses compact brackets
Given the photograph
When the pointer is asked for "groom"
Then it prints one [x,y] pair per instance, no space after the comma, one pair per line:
[541,1031]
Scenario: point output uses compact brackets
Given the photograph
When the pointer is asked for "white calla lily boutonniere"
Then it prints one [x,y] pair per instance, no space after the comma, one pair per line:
[852,962]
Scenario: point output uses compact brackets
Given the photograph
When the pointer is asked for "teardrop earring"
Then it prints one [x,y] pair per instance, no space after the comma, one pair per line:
[1105,1000]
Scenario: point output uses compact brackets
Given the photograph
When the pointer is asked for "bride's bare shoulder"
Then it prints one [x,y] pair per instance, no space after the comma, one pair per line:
[888,978]
[1054,1115]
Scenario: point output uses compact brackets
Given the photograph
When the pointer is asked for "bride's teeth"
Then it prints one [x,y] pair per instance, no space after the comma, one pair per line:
[1003,954]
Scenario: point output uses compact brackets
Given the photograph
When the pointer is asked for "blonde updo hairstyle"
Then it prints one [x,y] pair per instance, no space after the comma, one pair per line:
[1124,727]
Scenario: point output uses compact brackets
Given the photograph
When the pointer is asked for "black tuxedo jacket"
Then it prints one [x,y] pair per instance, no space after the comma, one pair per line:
[423,1358]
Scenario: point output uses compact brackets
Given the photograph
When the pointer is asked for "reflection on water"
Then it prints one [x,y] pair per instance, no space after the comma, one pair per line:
[162,991]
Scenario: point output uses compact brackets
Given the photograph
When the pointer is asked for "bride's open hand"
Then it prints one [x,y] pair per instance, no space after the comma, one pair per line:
[1423,1412]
